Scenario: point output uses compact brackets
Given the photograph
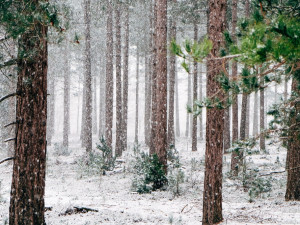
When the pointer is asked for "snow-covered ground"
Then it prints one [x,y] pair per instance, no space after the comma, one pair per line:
[117,204]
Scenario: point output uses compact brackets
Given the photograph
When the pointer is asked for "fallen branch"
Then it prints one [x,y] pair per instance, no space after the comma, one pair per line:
[8,96]
[77,210]
[7,159]
[10,139]
[268,174]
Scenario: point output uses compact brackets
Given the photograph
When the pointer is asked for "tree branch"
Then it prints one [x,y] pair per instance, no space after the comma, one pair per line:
[7,159]
[7,125]
[10,139]
[7,96]
[9,63]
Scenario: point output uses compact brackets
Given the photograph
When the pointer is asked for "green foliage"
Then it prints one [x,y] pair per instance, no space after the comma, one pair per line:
[149,173]
[107,159]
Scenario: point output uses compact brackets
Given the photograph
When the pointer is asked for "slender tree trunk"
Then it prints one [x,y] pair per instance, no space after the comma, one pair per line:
[201,98]
[195,95]
[154,83]
[125,80]
[102,101]
[285,89]
[136,139]
[109,81]
[243,117]
[51,120]
[161,89]
[171,131]
[95,106]
[247,128]
[235,106]
[66,127]
[293,151]
[262,117]
[212,194]
[255,114]
[177,103]
[28,180]
[189,102]
[118,83]
[83,113]
[88,78]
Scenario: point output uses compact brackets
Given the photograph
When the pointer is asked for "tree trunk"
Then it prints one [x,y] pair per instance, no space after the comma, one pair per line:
[66,127]
[88,78]
[102,100]
[125,80]
[171,131]
[51,119]
[118,84]
[247,127]
[255,114]
[212,194]
[200,99]
[262,117]
[161,89]
[293,151]
[136,139]
[189,102]
[154,82]
[95,106]
[109,81]
[195,95]
[28,180]
[177,103]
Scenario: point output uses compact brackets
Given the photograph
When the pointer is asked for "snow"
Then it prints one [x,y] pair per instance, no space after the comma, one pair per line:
[112,196]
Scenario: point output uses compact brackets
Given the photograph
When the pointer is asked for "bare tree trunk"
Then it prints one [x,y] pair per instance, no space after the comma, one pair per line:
[88,78]
[161,89]
[154,83]
[171,131]
[148,84]
[195,94]
[285,89]
[51,120]
[212,194]
[189,102]
[102,100]
[177,103]
[66,127]
[136,139]
[118,150]
[247,128]
[293,151]
[28,179]
[125,81]
[262,117]
[95,106]
[255,114]
[109,93]
[201,98]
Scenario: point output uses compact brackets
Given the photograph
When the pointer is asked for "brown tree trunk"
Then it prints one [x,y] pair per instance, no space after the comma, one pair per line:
[154,83]
[171,131]
[102,100]
[66,127]
[109,81]
[195,95]
[28,180]
[136,139]
[255,114]
[189,102]
[161,89]
[293,151]
[200,99]
[247,128]
[212,194]
[125,80]
[118,83]
[235,106]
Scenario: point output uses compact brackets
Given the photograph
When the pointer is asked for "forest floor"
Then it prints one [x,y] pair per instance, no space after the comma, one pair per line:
[67,187]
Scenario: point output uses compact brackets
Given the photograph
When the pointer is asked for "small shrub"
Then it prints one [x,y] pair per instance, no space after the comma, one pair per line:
[148,173]
[98,162]
[60,150]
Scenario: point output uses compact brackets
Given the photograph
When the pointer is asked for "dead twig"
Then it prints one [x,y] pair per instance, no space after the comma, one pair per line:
[10,139]
[7,125]
[8,96]
[7,159]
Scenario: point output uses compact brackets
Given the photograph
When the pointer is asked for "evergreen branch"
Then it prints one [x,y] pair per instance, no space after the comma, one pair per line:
[8,96]
[7,159]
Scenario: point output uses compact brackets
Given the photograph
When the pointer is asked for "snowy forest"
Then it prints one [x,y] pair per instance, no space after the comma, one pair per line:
[149,112]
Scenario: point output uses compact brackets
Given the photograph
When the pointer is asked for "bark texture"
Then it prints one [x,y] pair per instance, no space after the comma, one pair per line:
[195,95]
[293,153]
[109,81]
[161,89]
[262,143]
[28,180]
[212,195]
